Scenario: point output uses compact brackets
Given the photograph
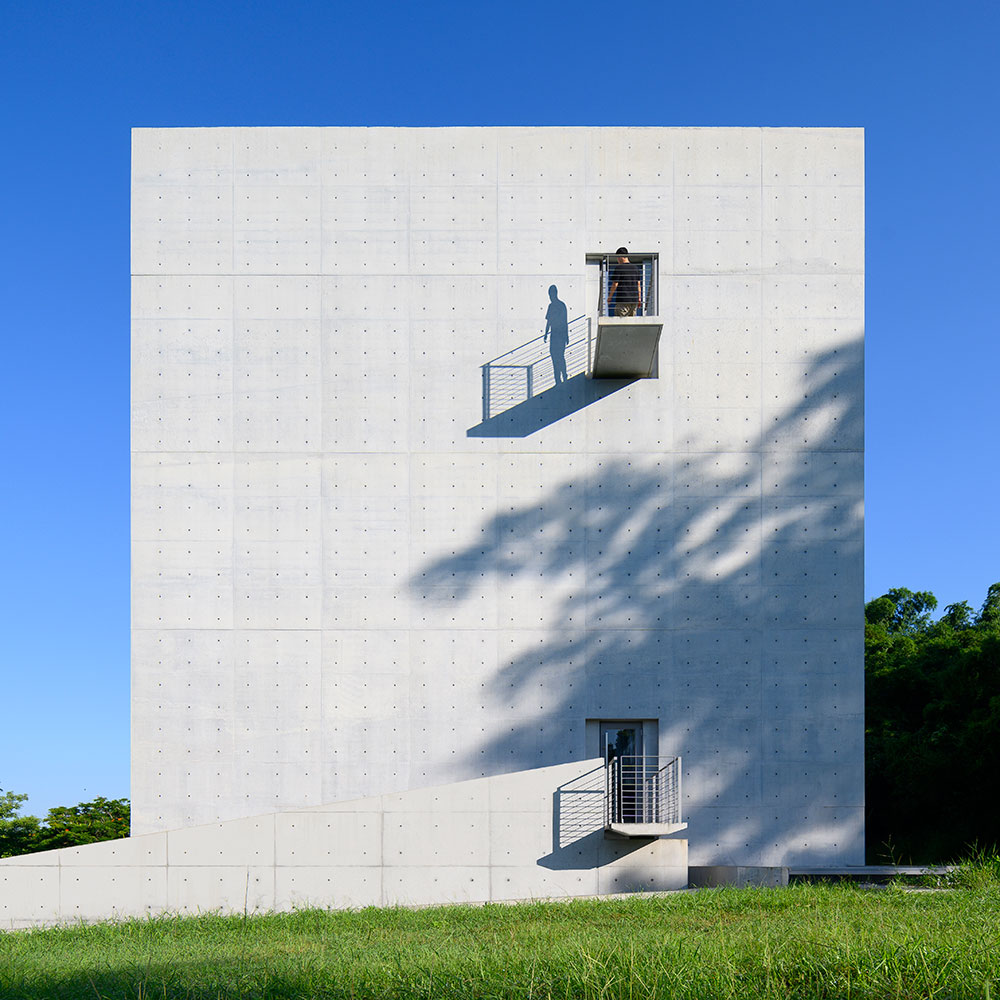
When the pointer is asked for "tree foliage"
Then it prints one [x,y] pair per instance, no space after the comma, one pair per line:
[932,741]
[17,833]
[64,826]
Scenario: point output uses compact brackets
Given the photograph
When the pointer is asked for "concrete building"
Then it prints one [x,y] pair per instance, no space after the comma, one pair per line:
[385,567]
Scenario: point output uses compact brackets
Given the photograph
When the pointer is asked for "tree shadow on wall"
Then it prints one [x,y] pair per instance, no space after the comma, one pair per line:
[704,588]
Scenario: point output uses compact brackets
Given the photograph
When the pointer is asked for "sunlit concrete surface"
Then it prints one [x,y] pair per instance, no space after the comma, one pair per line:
[530,835]
[346,583]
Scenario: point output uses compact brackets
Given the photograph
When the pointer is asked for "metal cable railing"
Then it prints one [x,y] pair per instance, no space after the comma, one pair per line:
[530,369]
[619,283]
[643,789]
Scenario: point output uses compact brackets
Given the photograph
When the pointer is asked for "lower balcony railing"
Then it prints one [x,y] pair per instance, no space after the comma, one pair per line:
[643,796]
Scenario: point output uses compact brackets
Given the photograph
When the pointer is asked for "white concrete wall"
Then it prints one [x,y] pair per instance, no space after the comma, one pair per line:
[346,585]
[518,836]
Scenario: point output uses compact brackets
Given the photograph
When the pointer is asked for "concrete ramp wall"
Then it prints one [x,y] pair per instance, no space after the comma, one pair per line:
[525,835]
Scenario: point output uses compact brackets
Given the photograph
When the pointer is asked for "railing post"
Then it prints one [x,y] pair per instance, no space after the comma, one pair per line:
[616,790]
[607,793]
[531,379]
[486,393]
[679,799]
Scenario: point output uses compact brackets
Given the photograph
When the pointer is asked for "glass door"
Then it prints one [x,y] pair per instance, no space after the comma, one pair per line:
[621,739]
[622,747]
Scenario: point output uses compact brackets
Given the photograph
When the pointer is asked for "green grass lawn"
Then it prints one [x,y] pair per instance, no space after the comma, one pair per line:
[803,941]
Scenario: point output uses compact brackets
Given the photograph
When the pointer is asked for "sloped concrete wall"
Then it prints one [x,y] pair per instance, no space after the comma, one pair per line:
[347,583]
[517,836]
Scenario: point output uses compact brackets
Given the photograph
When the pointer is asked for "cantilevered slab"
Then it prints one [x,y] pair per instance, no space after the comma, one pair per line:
[620,830]
[626,346]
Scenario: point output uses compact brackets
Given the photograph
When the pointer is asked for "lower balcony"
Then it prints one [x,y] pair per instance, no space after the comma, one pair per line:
[642,796]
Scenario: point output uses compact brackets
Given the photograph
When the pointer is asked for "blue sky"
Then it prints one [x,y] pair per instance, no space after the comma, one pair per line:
[921,79]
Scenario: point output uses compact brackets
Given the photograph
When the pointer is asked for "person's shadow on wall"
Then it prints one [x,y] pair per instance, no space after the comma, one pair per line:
[524,392]
[557,334]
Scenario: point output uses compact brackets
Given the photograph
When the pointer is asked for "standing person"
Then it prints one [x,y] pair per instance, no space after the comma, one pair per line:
[557,325]
[624,286]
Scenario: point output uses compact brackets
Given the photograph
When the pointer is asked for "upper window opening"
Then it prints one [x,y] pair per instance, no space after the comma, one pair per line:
[628,284]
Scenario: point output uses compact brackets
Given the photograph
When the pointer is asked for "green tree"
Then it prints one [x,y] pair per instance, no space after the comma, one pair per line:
[64,826]
[989,613]
[957,616]
[86,823]
[932,726]
[911,612]
[18,834]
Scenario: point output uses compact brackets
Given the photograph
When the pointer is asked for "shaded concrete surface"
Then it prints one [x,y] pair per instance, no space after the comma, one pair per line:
[717,592]
[626,348]
[737,876]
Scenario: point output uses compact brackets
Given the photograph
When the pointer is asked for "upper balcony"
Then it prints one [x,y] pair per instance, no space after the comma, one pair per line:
[628,321]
